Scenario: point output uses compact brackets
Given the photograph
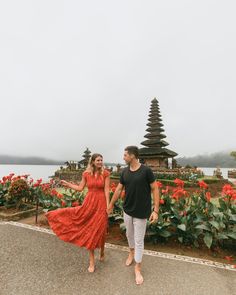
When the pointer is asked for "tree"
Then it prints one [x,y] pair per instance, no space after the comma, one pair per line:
[233,154]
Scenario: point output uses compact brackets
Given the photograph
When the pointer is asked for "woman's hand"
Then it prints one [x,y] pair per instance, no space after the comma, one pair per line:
[110,209]
[65,183]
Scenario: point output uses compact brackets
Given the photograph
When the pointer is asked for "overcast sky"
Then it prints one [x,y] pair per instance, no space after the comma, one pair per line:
[83,73]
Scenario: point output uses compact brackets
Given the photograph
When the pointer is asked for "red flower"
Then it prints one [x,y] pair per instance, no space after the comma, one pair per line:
[63,203]
[208,196]
[74,204]
[38,182]
[159,184]
[202,184]
[179,182]
[178,193]
[183,213]
[5,178]
[227,187]
[165,191]
[228,192]
[162,202]
[54,192]
[229,258]
[60,196]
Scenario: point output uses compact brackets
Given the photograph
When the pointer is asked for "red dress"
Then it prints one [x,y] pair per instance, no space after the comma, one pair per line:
[84,225]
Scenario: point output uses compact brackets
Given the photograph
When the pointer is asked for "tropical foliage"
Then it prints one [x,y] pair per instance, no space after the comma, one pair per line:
[191,218]
[195,218]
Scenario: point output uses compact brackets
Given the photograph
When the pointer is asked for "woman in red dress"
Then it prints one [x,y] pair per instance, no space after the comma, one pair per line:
[86,225]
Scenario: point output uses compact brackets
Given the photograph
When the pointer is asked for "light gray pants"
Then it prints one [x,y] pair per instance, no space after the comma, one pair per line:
[135,232]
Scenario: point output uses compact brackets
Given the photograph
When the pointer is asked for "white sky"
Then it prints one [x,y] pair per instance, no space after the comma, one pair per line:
[83,73]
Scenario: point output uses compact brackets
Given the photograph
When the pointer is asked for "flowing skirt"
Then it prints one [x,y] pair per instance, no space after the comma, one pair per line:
[85,225]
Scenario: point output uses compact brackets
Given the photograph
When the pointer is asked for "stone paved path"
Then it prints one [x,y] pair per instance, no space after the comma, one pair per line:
[35,262]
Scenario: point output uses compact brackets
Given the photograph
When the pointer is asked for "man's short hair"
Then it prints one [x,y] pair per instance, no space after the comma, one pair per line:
[132,150]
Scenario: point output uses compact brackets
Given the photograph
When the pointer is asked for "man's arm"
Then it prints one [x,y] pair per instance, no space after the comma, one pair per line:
[115,198]
[156,200]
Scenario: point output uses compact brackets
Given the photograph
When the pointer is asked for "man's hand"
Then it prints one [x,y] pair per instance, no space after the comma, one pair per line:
[153,218]
[110,209]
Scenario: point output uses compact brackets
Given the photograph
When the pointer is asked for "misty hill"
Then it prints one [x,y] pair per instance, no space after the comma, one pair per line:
[15,160]
[222,159]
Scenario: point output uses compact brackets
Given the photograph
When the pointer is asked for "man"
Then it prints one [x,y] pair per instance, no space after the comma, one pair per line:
[139,182]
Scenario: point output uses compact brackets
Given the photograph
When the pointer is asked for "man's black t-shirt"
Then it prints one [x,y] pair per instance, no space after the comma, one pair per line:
[137,191]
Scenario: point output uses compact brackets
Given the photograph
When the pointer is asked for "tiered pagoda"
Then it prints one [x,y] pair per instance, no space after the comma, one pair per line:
[154,153]
[86,156]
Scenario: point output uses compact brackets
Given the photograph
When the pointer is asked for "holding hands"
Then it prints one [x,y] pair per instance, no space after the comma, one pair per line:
[109,209]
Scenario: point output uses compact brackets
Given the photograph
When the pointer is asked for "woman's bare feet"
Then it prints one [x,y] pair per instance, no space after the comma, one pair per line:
[91,268]
[102,256]
[91,261]
[130,258]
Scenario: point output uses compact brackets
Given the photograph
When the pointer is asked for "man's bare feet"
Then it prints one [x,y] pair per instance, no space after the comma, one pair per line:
[138,277]
[130,258]
[91,268]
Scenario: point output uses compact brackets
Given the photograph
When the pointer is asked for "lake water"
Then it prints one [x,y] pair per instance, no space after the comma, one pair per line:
[35,171]
[44,171]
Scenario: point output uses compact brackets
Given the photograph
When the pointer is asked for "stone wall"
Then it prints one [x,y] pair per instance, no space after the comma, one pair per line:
[154,164]
[74,176]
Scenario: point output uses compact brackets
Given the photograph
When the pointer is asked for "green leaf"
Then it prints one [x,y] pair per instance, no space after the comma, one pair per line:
[182,227]
[196,244]
[232,235]
[233,217]
[215,224]
[180,239]
[203,226]
[119,218]
[165,234]
[208,240]
[222,204]
[122,226]
[222,236]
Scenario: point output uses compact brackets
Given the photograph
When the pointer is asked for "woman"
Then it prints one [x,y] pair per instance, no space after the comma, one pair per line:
[86,225]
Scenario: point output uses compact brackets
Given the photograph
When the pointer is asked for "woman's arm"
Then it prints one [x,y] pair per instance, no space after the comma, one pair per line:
[107,189]
[115,198]
[75,187]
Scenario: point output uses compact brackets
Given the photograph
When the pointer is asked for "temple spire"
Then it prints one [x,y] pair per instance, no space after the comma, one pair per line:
[154,153]
[155,131]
